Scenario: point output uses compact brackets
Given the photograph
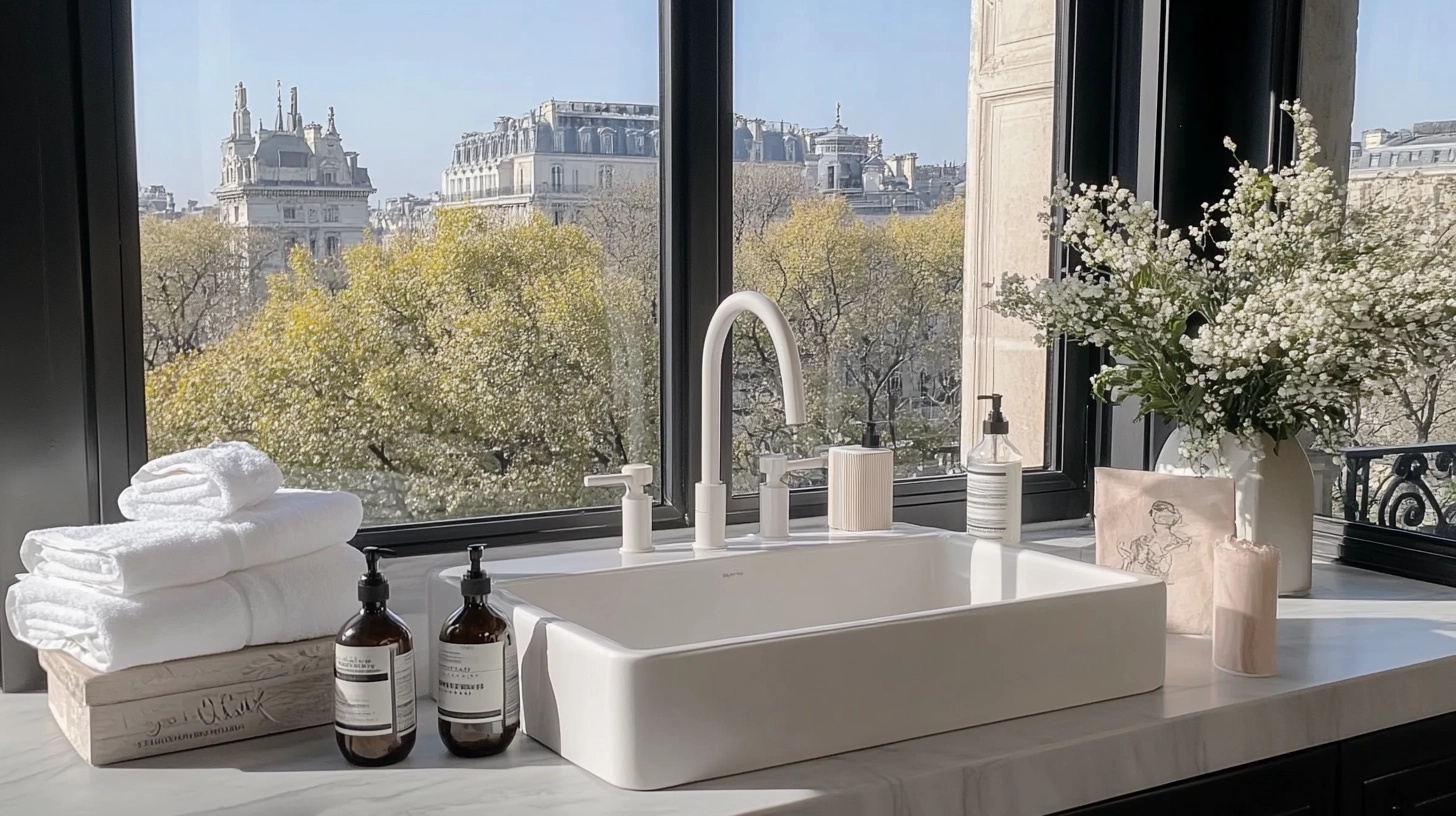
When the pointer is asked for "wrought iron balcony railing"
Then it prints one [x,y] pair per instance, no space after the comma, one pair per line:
[1411,488]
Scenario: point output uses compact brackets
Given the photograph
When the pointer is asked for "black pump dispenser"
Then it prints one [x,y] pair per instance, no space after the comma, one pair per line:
[476,582]
[372,586]
[374,675]
[476,684]
[871,438]
[995,422]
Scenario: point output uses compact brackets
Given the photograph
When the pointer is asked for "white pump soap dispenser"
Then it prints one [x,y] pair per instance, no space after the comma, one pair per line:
[862,484]
[773,494]
[993,481]
[636,505]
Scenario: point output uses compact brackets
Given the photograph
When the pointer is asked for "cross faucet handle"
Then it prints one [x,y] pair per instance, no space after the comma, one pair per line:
[633,477]
[773,494]
[774,466]
[636,504]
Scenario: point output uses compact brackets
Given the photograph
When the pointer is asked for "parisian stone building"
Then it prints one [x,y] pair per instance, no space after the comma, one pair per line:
[876,184]
[156,201]
[1428,148]
[401,214]
[553,158]
[295,179]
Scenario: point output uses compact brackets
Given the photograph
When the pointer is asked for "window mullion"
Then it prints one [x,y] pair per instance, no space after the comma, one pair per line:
[696,119]
[112,252]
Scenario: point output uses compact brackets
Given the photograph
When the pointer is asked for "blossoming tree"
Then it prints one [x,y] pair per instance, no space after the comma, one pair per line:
[482,366]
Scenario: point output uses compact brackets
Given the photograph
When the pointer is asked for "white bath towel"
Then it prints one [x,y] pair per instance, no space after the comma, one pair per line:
[140,556]
[203,483]
[291,600]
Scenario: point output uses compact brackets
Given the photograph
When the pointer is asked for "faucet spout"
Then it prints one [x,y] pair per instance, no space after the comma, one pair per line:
[712,494]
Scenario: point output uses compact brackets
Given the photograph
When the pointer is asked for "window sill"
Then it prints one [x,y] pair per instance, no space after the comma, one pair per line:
[932,501]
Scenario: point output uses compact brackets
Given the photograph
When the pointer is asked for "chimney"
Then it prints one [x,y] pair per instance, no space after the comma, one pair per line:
[242,119]
[295,121]
[1375,137]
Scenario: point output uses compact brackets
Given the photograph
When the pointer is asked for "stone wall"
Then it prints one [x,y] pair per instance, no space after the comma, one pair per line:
[1008,174]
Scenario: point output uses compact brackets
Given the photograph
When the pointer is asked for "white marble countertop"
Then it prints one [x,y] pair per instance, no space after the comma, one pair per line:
[1365,652]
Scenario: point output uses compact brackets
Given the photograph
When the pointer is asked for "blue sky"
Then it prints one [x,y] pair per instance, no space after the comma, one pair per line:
[407,77]
[1403,63]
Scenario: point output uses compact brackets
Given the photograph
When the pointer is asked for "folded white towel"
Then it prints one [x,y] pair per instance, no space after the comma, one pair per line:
[203,483]
[306,597]
[140,556]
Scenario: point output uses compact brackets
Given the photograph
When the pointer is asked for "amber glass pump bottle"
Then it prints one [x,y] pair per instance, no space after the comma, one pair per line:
[476,686]
[374,676]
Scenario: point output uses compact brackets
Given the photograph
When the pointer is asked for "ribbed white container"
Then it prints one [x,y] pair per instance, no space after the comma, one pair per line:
[861,488]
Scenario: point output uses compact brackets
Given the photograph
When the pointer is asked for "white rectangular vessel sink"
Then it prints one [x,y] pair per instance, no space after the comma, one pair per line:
[660,675]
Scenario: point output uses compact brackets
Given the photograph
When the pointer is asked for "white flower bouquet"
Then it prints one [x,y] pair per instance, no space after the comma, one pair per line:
[1270,316]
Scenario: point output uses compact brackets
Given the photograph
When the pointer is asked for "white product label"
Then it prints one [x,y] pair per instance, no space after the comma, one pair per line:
[988,499]
[404,691]
[374,690]
[471,682]
[513,683]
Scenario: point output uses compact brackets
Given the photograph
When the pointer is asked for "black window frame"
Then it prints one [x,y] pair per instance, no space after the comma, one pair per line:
[69,237]
[696,105]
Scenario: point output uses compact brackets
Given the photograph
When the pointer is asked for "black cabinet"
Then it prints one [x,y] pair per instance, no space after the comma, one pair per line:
[1302,784]
[1429,790]
[1405,771]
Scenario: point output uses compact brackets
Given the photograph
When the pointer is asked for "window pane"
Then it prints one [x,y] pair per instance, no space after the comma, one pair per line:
[449,325]
[1401,164]
[1402,154]
[850,208]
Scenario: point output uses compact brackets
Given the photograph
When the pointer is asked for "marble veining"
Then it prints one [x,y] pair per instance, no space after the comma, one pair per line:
[1364,652]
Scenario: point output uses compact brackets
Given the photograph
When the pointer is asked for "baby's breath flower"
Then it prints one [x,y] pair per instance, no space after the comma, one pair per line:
[1301,307]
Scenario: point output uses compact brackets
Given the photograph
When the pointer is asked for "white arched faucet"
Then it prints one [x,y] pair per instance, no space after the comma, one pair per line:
[711,506]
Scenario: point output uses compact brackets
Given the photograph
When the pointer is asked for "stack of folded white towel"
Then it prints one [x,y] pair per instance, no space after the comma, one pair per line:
[217,557]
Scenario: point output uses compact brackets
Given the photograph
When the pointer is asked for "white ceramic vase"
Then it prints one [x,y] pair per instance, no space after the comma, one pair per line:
[1273,499]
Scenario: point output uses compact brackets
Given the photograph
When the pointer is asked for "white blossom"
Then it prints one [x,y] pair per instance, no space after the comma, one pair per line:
[1272,315]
